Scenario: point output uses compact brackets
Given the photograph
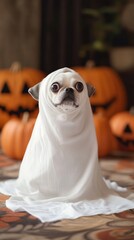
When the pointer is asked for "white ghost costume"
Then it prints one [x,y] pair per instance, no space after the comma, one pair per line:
[59,176]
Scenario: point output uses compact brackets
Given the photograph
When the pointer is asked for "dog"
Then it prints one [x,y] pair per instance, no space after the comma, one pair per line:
[59,176]
[66,91]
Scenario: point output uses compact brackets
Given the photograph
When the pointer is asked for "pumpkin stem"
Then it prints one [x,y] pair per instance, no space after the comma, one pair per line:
[15,67]
[131,110]
[25,117]
[90,64]
[101,113]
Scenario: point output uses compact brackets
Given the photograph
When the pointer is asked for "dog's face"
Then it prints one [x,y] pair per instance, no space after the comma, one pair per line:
[66,91]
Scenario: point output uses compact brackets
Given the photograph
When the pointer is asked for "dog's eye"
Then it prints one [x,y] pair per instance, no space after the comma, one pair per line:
[55,87]
[79,86]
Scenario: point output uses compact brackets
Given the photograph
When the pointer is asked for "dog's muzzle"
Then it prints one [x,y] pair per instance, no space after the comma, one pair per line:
[68,97]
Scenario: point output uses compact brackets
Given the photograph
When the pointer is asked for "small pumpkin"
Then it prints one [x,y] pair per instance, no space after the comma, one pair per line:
[15,136]
[122,126]
[106,143]
[14,97]
[110,95]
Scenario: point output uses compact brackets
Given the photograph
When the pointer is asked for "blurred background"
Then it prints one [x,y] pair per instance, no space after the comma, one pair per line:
[49,34]
[96,37]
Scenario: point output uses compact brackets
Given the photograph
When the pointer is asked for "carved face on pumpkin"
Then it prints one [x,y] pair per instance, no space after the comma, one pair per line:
[14,97]
[110,95]
[122,125]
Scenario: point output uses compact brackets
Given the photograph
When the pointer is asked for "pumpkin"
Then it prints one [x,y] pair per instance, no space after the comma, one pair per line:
[122,126]
[15,136]
[14,97]
[105,139]
[110,96]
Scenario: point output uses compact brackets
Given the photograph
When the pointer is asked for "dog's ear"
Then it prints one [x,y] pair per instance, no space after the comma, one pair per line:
[90,89]
[34,91]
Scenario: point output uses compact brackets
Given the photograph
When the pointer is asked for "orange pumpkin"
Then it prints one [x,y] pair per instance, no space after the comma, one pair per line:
[14,97]
[110,96]
[15,136]
[106,143]
[122,125]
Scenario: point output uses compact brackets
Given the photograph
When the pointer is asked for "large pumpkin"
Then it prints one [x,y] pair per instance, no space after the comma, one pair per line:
[106,143]
[15,136]
[14,97]
[110,95]
[122,125]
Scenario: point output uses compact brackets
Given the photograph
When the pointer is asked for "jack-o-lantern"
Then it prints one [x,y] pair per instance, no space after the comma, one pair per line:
[14,97]
[110,95]
[122,125]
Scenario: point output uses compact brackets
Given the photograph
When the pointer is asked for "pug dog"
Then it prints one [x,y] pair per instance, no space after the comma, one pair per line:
[59,177]
[65,91]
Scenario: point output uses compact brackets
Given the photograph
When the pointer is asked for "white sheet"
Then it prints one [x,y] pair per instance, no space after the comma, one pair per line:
[60,176]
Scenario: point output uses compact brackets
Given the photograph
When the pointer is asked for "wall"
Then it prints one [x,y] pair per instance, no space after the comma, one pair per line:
[20,24]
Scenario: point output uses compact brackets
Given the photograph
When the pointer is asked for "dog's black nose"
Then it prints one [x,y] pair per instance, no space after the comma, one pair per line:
[69,90]
[69,94]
